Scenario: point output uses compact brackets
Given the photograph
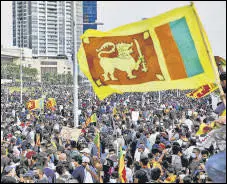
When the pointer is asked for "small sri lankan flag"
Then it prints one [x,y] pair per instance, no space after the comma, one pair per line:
[51,103]
[170,51]
[209,88]
[203,91]
[32,105]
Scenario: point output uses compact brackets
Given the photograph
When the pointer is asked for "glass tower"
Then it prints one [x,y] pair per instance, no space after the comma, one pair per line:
[90,14]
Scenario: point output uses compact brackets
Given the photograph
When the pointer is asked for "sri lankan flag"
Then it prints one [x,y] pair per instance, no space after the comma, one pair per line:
[35,104]
[97,143]
[94,118]
[114,110]
[203,91]
[209,88]
[170,51]
[122,170]
[88,121]
[31,105]
[51,103]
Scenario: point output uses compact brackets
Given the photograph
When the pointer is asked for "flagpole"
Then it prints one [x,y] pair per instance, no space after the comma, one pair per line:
[222,94]
[75,71]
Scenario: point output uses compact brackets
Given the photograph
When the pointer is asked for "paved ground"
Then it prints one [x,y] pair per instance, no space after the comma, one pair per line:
[70,132]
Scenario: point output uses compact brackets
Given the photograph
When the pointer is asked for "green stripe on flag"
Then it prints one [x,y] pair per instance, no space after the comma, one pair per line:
[186,46]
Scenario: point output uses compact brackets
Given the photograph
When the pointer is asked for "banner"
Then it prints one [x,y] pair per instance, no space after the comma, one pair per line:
[143,56]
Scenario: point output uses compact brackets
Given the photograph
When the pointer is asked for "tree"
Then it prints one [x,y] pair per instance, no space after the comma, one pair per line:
[12,71]
[56,79]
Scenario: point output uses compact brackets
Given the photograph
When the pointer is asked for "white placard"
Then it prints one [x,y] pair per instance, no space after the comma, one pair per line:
[215,100]
[135,115]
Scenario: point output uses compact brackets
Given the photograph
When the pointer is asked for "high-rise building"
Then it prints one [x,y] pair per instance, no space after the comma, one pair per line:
[46,27]
[90,14]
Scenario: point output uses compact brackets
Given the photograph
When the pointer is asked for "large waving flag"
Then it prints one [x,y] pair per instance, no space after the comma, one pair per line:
[122,170]
[170,51]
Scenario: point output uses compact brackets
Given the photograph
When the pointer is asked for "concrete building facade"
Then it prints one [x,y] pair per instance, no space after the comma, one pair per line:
[42,64]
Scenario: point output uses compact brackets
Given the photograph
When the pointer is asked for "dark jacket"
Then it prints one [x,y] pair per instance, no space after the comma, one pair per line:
[79,174]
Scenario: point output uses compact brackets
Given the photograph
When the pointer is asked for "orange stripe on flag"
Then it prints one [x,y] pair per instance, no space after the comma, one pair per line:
[171,52]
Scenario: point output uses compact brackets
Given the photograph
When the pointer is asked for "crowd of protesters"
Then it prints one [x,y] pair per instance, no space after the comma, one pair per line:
[162,146]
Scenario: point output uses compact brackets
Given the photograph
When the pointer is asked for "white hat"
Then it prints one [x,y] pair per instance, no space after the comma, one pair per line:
[17,132]
[85,150]
[85,159]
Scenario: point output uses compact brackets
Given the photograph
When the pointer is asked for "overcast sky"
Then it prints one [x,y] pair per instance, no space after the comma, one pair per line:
[117,13]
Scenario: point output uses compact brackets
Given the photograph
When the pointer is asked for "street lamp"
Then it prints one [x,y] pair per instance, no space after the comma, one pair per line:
[21,57]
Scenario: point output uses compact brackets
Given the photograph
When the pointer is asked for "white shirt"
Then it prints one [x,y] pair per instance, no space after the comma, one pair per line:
[60,107]
[180,141]
[189,123]
[51,165]
[129,175]
[137,154]
[32,135]
[87,177]
[188,151]
[16,152]
[152,138]
[163,106]
[13,113]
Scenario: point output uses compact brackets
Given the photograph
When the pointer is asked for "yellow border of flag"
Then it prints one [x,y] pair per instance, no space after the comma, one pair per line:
[197,34]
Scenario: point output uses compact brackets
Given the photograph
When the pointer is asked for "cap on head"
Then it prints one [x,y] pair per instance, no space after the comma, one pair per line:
[141,146]
[85,159]
[86,150]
